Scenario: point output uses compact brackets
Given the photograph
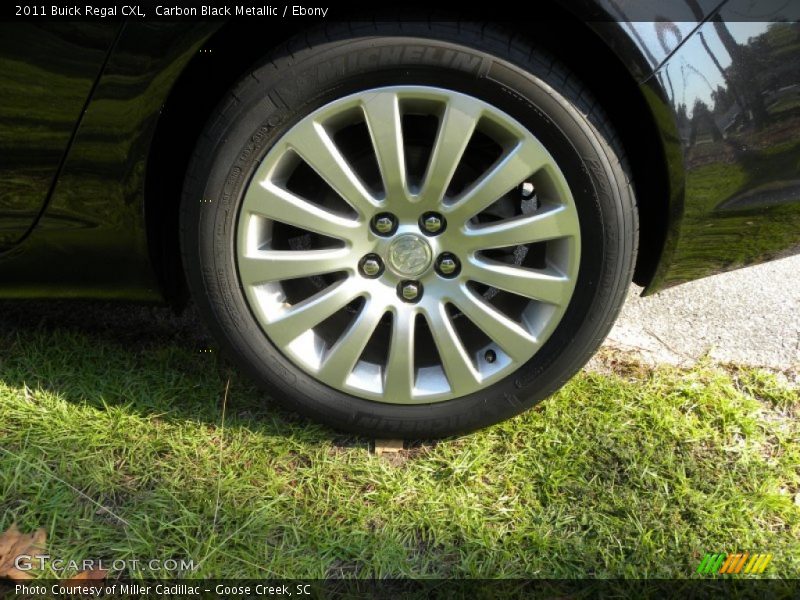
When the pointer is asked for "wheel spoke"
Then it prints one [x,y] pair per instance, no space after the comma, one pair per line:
[274,265]
[310,312]
[311,141]
[398,383]
[457,124]
[382,112]
[539,284]
[509,335]
[269,200]
[552,224]
[342,356]
[524,159]
[457,365]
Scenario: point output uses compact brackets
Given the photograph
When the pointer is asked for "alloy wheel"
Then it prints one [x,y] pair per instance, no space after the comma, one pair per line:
[408,244]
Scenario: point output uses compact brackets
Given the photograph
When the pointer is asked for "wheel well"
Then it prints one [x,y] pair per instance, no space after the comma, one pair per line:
[211,73]
[228,54]
[618,92]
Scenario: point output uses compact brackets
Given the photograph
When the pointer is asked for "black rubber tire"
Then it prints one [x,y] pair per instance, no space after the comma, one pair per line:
[475,59]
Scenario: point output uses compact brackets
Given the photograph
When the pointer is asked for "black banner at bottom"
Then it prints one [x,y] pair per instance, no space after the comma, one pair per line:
[405,588]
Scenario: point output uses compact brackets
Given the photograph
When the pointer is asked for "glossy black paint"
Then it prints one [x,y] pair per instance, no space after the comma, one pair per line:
[109,229]
[91,240]
[729,107]
[654,28]
[46,74]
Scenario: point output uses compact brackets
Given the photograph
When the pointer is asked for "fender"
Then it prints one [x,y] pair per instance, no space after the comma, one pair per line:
[95,210]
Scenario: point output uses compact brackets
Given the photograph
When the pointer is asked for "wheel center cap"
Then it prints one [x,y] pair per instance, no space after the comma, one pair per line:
[409,255]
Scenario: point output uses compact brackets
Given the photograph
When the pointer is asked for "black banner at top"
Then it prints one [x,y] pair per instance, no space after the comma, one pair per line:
[549,10]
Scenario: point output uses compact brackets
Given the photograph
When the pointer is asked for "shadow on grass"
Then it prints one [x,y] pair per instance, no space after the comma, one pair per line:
[148,359]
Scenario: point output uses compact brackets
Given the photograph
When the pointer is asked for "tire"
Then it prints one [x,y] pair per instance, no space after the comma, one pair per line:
[240,211]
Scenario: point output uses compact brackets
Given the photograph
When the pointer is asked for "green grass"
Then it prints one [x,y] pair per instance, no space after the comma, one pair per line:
[119,451]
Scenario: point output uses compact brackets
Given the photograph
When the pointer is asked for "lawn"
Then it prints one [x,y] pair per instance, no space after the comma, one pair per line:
[120,440]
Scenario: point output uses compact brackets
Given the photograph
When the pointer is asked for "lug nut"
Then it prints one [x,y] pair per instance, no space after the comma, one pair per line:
[410,291]
[371,266]
[447,265]
[432,223]
[384,224]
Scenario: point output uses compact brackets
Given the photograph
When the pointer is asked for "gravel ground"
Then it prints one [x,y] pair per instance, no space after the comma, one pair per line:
[750,316]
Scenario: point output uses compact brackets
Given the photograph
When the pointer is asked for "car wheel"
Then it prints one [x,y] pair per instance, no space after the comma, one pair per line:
[409,230]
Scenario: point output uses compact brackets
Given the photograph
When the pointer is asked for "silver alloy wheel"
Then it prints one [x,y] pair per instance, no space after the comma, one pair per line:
[511,224]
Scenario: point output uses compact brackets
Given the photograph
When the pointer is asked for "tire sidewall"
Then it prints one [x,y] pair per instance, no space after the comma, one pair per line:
[273,99]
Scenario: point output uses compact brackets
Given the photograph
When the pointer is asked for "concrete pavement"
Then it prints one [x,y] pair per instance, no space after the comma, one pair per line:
[750,316]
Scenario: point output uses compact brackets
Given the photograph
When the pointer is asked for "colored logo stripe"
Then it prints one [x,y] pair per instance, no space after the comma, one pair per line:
[711,563]
[734,564]
[761,564]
